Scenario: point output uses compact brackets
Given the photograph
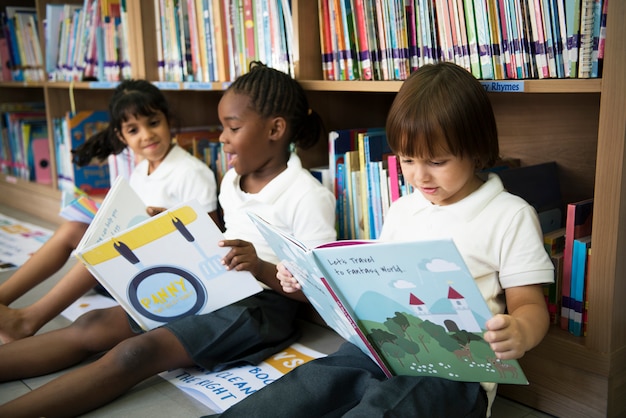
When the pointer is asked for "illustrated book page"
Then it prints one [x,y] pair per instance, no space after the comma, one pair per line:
[167,267]
[413,307]
[121,208]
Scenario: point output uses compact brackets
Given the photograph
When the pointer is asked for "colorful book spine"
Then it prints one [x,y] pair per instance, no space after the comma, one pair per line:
[577,224]
[484,40]
[572,14]
[585,49]
[548,35]
[363,48]
[393,167]
[597,27]
[577,285]
[472,38]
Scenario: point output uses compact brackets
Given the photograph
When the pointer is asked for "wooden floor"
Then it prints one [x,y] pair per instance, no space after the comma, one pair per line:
[155,397]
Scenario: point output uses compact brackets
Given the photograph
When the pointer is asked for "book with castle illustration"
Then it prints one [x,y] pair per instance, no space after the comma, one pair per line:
[413,307]
[164,267]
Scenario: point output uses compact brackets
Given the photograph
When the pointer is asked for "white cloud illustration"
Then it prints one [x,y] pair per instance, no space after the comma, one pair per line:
[439,265]
[402,284]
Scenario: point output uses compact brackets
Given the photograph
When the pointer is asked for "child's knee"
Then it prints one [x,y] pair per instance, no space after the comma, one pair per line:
[133,354]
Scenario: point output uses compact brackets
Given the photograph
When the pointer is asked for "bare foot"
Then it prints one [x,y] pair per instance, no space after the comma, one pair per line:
[13,325]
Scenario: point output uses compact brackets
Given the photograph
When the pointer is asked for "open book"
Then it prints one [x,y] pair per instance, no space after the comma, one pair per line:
[164,267]
[413,307]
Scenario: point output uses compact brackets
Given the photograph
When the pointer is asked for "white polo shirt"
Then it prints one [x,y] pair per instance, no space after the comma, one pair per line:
[180,177]
[294,201]
[498,235]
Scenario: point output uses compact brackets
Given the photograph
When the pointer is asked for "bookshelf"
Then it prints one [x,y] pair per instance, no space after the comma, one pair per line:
[580,124]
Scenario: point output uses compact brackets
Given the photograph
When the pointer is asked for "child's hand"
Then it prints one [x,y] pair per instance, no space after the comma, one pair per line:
[505,337]
[287,281]
[153,210]
[512,335]
[242,256]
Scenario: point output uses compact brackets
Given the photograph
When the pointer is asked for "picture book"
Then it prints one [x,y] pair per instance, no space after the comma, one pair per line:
[413,307]
[220,390]
[164,267]
[92,178]
[121,209]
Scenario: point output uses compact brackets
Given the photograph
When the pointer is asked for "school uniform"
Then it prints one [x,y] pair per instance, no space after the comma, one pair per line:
[251,330]
[180,177]
[500,239]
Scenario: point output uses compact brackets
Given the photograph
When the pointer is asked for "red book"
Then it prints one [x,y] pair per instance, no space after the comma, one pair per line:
[577,225]
[394,178]
[364,48]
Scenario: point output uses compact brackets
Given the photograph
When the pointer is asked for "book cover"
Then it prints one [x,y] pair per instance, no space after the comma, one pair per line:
[220,390]
[413,307]
[92,178]
[166,267]
[577,224]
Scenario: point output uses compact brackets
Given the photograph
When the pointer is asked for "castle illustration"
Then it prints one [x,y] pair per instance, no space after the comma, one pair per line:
[460,314]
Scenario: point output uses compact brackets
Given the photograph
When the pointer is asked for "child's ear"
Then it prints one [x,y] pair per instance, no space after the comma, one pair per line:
[120,137]
[277,128]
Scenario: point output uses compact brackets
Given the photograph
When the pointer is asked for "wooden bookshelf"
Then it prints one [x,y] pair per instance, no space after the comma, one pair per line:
[580,124]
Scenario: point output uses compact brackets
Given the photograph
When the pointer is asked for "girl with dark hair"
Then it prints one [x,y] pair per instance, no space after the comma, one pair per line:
[263,113]
[167,175]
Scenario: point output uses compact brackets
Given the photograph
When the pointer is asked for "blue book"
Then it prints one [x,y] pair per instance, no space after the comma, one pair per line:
[92,178]
[577,284]
[413,307]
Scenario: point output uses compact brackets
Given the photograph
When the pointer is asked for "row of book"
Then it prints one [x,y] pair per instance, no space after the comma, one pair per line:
[215,40]
[493,39]
[24,148]
[81,42]
[88,41]
[366,178]
[20,48]
[570,251]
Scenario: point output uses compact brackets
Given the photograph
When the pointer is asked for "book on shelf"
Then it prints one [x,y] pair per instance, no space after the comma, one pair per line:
[554,243]
[578,222]
[572,15]
[94,178]
[577,286]
[19,125]
[413,307]
[585,50]
[163,267]
[596,34]
[483,37]
[7,145]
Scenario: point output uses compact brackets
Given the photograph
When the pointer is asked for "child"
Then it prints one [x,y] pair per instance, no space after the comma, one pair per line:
[167,175]
[262,112]
[442,127]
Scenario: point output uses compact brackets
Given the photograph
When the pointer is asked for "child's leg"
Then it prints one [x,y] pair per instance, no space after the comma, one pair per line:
[24,322]
[46,261]
[91,333]
[98,383]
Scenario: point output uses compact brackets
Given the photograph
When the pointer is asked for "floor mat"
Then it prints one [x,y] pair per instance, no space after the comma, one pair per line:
[18,240]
